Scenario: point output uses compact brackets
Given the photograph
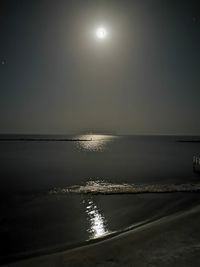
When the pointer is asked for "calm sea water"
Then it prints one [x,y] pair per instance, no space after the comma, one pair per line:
[35,166]
[31,220]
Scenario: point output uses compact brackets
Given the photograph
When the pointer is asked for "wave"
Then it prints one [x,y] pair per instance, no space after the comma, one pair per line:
[101,187]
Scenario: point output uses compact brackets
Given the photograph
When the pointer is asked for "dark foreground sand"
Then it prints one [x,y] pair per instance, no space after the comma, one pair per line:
[171,241]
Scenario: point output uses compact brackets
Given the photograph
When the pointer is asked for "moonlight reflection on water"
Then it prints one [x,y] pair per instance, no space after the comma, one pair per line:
[95,142]
[97,222]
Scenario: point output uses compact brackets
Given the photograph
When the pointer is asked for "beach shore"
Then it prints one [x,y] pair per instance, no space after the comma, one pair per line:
[173,240]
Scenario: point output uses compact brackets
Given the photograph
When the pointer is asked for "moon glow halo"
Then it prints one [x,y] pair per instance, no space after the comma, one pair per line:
[101,33]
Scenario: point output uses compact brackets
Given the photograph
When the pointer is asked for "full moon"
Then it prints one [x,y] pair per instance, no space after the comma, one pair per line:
[101,33]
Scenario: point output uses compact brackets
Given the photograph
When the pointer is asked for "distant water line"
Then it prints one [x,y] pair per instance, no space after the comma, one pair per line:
[45,139]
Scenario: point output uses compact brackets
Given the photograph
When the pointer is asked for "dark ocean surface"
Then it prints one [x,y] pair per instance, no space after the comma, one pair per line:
[33,221]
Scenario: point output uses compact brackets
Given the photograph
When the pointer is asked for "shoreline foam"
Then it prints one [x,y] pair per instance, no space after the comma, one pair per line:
[100,187]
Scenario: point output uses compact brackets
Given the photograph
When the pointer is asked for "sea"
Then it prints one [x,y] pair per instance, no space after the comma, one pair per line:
[58,192]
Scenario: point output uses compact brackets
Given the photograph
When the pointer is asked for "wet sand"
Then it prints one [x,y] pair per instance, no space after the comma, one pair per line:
[173,240]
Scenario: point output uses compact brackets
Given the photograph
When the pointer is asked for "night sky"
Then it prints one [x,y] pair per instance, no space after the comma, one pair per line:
[144,78]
